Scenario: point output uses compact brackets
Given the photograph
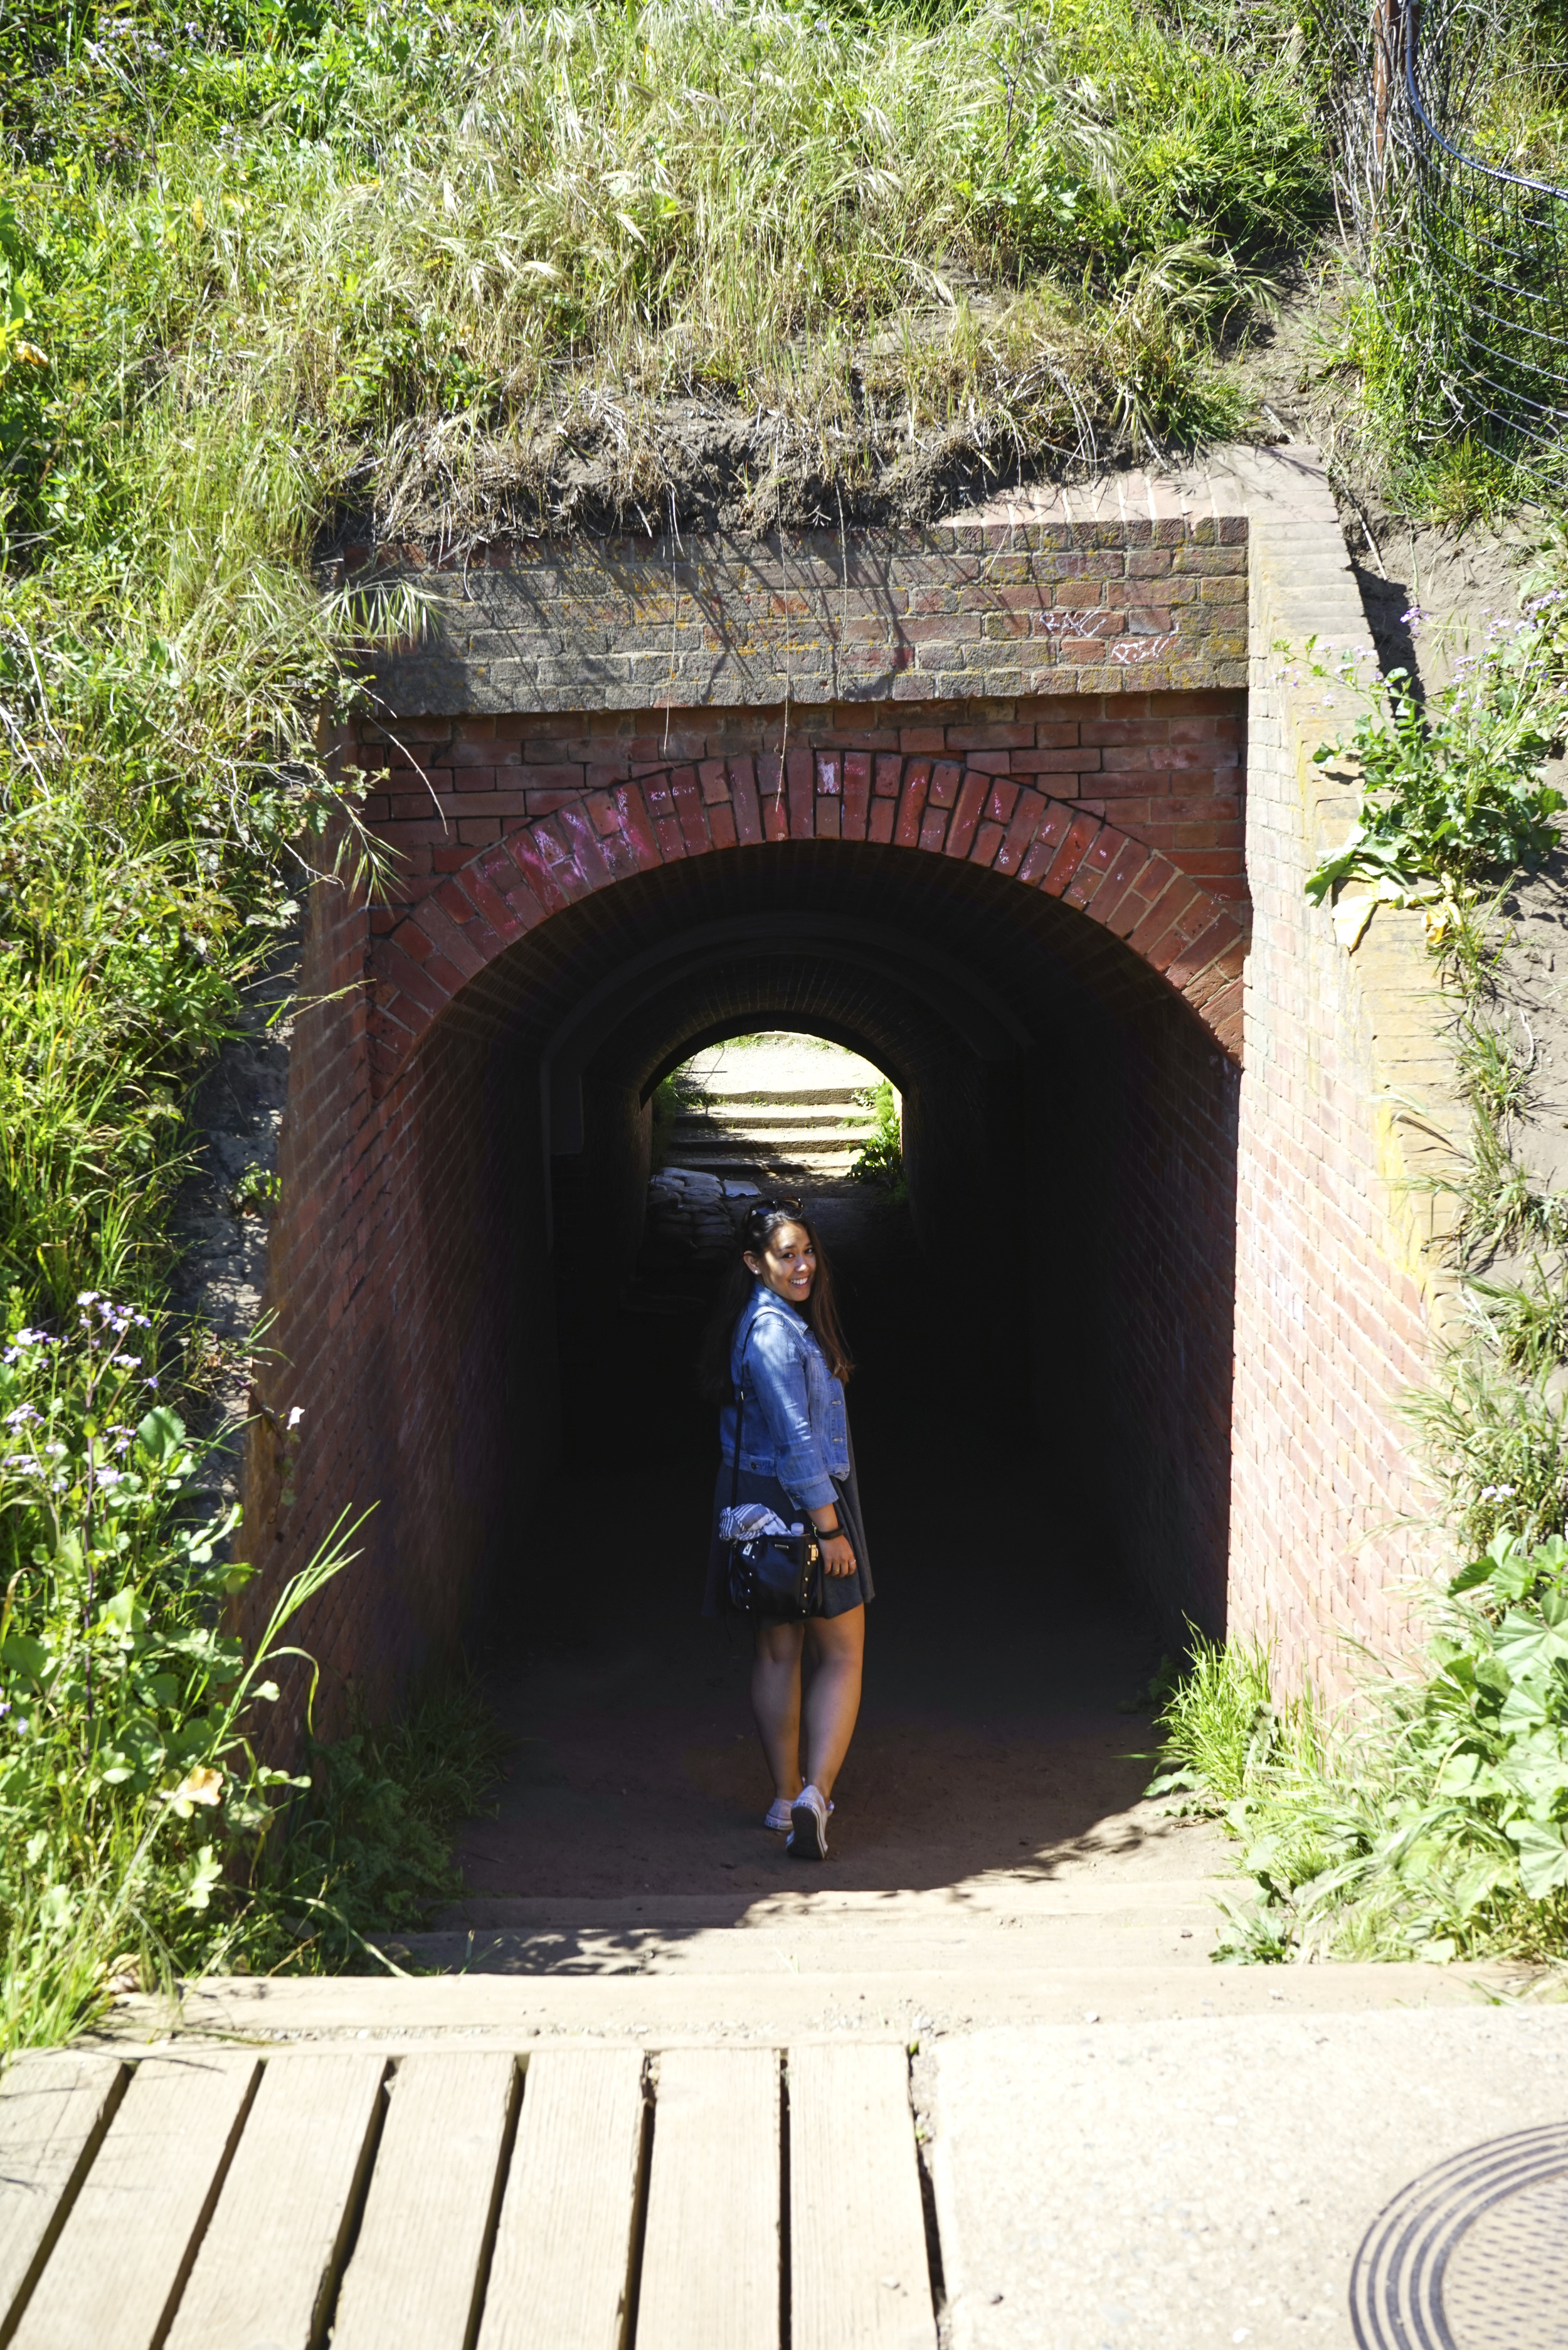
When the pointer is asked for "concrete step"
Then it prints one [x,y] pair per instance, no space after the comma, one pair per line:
[781,1170]
[805,1117]
[745,1097]
[729,1140]
[466,2003]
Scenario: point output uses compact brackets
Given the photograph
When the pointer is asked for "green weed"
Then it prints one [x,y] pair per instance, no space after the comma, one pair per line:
[881,1160]
[142,1835]
[1217,1718]
[1453,791]
[134,1804]
[1429,1817]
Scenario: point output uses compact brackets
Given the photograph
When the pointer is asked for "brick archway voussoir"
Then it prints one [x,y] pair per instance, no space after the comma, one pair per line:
[1195,940]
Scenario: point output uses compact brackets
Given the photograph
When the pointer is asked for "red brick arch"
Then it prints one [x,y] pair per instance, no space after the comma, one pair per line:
[934,807]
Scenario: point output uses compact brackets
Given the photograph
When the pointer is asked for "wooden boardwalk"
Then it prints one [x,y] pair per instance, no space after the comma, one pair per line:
[574,2198]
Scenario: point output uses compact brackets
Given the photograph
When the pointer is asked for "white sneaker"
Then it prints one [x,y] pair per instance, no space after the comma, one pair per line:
[777,1814]
[808,1826]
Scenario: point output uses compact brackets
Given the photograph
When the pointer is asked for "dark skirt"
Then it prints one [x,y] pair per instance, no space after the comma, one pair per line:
[840,1592]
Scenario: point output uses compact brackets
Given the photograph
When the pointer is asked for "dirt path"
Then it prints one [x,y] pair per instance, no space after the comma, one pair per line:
[990,1745]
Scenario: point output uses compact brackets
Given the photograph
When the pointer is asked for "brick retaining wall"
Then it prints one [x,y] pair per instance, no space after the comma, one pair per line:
[1347,1095]
[531,802]
[1133,585]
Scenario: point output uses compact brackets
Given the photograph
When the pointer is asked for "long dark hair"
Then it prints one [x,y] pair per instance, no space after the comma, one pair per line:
[756,1229]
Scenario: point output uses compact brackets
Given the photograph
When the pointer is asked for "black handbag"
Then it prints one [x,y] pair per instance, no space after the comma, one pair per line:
[772,1575]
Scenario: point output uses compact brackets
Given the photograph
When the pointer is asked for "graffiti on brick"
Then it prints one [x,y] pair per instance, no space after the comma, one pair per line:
[1097,624]
[1130,651]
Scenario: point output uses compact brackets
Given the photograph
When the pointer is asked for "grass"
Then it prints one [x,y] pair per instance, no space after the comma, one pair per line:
[881,1160]
[415,260]
[1450,374]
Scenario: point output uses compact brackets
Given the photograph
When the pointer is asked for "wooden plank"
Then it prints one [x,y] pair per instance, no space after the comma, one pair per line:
[561,2271]
[264,2275]
[126,2249]
[711,2255]
[859,2268]
[54,2109]
[413,2281]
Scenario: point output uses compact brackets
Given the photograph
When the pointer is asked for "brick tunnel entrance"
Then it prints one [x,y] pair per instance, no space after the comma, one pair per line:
[1044,1339]
[969,800]
[1069,1137]
[1057,1004]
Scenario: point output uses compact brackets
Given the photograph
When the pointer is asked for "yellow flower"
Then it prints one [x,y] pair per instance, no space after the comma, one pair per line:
[199,1786]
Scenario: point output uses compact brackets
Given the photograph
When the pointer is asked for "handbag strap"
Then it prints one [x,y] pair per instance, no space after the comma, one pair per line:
[740,1423]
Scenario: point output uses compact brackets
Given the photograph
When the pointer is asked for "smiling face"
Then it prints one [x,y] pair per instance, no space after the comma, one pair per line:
[789,1266]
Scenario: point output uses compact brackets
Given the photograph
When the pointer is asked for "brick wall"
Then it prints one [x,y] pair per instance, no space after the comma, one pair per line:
[1089,807]
[1347,1088]
[401,1372]
[1163,767]
[968,806]
[1132,586]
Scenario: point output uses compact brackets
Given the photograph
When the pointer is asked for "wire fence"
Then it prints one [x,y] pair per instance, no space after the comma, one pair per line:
[1471,259]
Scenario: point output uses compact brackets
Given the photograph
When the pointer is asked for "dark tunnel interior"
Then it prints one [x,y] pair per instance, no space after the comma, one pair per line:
[1042,1339]
[1066,1265]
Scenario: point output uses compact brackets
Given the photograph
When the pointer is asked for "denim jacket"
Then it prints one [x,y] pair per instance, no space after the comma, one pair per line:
[795,1427]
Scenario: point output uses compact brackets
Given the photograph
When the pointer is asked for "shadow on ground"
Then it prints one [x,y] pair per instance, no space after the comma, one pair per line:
[1000,1647]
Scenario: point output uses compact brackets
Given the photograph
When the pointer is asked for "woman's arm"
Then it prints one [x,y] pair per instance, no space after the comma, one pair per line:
[778,1377]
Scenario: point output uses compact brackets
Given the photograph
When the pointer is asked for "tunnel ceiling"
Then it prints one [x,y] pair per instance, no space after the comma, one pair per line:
[891,949]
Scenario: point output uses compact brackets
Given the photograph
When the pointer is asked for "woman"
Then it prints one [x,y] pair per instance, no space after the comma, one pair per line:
[775,1333]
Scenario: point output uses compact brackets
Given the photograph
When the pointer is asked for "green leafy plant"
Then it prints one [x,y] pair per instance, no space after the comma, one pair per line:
[143,1835]
[881,1160]
[1217,1718]
[1430,1817]
[257,1193]
[134,1802]
[1453,791]
[369,1847]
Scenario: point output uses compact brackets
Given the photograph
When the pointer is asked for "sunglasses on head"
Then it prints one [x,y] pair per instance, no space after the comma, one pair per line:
[789,1206]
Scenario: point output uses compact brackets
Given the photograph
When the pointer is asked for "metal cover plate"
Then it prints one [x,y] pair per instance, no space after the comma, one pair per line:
[1473,2255]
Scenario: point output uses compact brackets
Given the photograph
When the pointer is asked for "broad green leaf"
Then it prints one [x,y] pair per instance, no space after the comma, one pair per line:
[161,1434]
[1469,1775]
[22,1654]
[1523,1640]
[1542,1856]
[1529,1705]
[1540,1785]
[1492,1676]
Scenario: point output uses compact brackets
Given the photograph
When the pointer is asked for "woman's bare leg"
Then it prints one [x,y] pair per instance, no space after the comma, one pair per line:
[775,1702]
[832,1695]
